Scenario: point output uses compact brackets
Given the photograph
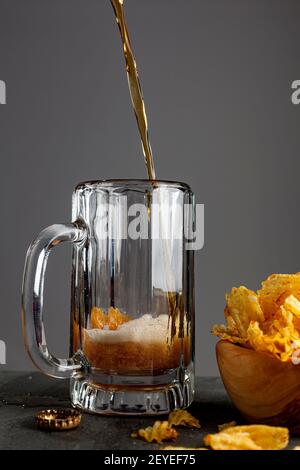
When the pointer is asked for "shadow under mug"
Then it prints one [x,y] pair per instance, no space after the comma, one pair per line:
[132,297]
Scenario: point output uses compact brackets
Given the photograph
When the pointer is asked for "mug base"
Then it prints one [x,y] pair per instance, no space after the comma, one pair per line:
[96,398]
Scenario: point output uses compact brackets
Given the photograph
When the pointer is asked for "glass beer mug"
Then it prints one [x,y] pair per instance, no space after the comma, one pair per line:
[132,297]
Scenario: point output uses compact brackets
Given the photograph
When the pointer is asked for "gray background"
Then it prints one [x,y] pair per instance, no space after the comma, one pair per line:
[221,119]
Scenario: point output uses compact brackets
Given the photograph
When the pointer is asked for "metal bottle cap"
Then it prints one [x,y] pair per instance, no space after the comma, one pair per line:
[58,419]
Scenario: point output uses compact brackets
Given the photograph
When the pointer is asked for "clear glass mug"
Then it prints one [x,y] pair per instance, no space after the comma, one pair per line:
[132,297]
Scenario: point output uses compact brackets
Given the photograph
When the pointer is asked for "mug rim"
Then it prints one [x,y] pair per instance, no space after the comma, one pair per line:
[92,184]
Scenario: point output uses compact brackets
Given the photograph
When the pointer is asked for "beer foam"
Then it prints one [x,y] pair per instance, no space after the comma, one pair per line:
[146,329]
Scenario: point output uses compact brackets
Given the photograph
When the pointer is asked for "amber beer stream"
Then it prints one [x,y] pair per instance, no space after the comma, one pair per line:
[135,89]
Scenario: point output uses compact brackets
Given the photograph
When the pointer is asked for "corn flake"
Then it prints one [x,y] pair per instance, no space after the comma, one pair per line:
[113,319]
[242,307]
[183,418]
[279,338]
[225,333]
[276,289]
[116,318]
[160,431]
[98,318]
[251,437]
[293,305]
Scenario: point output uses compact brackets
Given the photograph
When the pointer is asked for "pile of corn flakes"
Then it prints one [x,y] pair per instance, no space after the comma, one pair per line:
[267,320]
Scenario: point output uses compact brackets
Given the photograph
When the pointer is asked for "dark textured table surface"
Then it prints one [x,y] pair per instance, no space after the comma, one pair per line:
[23,394]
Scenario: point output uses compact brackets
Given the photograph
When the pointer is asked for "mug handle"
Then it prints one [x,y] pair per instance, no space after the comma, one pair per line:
[32,299]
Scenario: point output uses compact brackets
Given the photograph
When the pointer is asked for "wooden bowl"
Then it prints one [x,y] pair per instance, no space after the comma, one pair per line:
[264,389]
